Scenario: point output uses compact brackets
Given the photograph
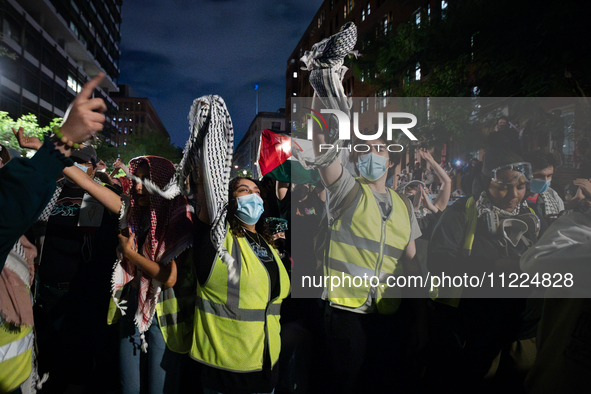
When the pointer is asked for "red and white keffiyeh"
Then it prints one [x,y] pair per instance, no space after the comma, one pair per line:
[169,234]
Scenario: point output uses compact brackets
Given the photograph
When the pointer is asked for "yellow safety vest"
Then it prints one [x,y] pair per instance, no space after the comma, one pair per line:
[236,321]
[174,309]
[362,245]
[16,343]
[16,357]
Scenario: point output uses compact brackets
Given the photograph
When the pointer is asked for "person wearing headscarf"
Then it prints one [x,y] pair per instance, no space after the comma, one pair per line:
[150,276]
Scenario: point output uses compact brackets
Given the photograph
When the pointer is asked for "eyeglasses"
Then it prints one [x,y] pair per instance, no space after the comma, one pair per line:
[522,167]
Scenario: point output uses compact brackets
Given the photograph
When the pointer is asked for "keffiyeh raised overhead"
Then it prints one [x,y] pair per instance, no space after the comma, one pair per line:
[325,62]
[210,147]
[168,235]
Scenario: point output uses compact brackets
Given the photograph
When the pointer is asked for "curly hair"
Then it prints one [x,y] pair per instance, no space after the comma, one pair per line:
[236,226]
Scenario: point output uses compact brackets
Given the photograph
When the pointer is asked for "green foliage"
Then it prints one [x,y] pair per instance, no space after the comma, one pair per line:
[145,142]
[500,48]
[506,48]
[30,125]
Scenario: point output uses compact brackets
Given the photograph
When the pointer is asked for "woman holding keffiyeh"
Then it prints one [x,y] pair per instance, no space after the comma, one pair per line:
[239,295]
[151,268]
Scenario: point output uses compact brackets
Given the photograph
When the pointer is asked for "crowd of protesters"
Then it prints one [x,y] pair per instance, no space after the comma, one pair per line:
[134,290]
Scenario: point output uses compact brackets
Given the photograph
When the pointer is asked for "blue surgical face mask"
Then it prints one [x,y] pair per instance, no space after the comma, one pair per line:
[539,186]
[372,166]
[81,166]
[250,208]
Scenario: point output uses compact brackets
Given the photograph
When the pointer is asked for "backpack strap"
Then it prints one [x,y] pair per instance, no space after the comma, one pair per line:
[408,205]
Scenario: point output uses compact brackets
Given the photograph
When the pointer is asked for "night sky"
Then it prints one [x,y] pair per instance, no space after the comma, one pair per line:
[175,51]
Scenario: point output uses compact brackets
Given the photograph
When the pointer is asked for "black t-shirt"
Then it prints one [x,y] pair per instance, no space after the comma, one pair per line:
[62,248]
[263,252]
[80,256]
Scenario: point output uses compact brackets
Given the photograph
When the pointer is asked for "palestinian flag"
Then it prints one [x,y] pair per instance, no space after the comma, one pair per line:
[275,160]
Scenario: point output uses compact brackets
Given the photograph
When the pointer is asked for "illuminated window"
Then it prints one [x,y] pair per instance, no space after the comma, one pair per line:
[74,28]
[73,84]
[368,9]
[362,15]
[294,108]
[418,72]
[295,74]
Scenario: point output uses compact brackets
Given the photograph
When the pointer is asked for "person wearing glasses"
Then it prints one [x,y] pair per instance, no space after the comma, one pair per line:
[485,233]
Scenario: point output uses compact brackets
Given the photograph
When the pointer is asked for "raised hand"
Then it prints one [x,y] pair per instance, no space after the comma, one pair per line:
[127,245]
[25,141]
[100,166]
[584,186]
[118,164]
[426,201]
[84,118]
[424,154]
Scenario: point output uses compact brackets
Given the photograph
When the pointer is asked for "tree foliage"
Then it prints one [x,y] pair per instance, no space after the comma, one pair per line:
[31,128]
[144,142]
[480,49]
[504,48]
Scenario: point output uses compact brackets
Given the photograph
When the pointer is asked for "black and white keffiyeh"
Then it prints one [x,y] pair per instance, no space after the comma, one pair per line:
[44,217]
[210,147]
[484,206]
[325,63]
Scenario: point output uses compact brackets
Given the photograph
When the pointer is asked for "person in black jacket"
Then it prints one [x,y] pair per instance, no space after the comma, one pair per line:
[469,333]
[27,185]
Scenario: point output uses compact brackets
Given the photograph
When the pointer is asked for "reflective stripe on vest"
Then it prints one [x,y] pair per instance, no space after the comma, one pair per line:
[239,314]
[16,347]
[16,357]
[363,245]
[175,308]
[236,323]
